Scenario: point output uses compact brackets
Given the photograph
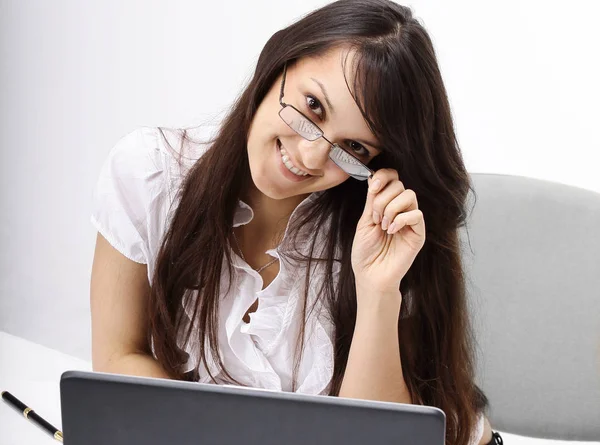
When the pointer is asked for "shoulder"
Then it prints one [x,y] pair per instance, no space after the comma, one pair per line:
[136,187]
[152,143]
[181,148]
[160,156]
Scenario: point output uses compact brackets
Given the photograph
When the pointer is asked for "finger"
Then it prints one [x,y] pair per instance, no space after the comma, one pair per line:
[368,210]
[377,183]
[403,202]
[381,178]
[384,198]
[414,219]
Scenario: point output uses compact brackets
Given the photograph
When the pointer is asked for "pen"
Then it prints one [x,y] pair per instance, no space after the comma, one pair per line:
[31,415]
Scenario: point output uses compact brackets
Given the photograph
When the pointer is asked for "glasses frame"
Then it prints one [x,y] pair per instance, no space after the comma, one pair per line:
[322,134]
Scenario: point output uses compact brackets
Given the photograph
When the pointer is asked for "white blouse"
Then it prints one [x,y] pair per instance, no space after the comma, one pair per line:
[133,202]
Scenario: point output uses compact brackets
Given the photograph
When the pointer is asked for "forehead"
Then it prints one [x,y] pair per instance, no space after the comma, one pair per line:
[333,69]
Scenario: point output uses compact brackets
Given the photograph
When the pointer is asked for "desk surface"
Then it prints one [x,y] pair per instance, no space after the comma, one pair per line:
[31,372]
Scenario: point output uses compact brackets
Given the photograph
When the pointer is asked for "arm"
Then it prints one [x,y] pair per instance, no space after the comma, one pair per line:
[374,369]
[119,292]
[389,235]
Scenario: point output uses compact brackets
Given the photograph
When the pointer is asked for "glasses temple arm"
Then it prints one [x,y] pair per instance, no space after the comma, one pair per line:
[281,102]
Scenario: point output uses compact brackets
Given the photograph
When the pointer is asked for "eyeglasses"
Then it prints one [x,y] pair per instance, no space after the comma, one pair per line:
[310,131]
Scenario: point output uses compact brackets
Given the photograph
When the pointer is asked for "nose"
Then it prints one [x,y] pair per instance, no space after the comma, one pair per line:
[315,154]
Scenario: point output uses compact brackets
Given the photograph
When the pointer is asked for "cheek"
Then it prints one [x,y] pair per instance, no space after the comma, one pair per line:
[266,127]
[335,176]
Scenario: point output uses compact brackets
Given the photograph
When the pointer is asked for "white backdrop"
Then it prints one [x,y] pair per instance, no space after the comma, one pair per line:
[76,76]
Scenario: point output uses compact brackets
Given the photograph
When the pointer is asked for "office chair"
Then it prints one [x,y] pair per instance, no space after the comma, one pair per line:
[531,255]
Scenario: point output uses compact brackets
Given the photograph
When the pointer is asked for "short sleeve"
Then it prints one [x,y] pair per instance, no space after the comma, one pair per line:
[478,433]
[126,194]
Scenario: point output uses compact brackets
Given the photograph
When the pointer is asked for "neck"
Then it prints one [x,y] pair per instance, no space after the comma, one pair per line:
[271,216]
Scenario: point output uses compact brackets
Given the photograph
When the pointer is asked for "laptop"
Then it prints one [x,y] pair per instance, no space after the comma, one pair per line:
[100,408]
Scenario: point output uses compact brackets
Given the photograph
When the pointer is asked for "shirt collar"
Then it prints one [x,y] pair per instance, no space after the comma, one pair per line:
[244,213]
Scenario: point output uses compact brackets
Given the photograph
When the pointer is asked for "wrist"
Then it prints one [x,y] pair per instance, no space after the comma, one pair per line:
[377,304]
[369,288]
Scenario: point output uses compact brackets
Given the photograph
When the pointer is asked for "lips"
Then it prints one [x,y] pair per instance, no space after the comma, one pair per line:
[280,152]
[289,163]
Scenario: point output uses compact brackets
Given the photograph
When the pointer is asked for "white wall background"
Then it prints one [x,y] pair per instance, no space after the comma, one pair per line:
[522,76]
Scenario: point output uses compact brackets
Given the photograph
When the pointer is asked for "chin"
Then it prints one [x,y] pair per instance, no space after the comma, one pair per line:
[267,187]
[271,190]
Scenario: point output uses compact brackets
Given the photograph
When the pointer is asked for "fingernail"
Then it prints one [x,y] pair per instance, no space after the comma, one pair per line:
[375,185]
[384,222]
[376,217]
[391,228]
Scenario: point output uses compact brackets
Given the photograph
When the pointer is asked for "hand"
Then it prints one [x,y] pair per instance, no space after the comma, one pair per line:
[389,234]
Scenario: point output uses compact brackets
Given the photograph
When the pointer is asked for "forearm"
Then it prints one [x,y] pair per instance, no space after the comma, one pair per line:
[374,368]
[138,364]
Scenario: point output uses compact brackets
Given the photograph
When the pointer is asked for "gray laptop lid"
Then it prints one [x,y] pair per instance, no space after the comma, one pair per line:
[100,408]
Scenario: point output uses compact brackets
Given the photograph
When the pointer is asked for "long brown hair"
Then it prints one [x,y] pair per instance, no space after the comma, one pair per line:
[399,90]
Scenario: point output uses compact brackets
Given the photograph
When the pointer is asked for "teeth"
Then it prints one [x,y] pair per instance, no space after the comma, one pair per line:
[288,163]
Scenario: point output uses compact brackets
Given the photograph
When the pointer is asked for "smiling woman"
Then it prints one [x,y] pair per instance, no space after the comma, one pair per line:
[310,152]
[312,244]
[349,159]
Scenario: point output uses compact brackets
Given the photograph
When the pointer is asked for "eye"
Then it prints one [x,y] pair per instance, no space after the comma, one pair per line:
[357,149]
[314,105]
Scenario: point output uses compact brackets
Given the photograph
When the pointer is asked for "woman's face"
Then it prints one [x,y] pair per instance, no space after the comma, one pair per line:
[317,87]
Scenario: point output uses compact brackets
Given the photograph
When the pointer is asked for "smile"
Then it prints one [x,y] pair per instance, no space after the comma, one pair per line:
[288,163]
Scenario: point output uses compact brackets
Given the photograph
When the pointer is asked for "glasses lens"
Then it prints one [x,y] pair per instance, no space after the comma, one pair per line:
[300,124]
[349,163]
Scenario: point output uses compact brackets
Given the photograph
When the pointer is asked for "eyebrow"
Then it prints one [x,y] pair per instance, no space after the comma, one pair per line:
[363,142]
[324,94]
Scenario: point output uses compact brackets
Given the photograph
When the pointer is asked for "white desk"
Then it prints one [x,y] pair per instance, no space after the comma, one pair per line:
[31,372]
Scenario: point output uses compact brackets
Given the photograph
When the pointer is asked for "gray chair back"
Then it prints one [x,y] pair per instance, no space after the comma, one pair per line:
[531,253]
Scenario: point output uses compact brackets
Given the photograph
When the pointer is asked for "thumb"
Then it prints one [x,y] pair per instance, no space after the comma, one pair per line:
[374,186]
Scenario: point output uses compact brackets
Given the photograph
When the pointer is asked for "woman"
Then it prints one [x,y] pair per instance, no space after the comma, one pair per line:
[312,244]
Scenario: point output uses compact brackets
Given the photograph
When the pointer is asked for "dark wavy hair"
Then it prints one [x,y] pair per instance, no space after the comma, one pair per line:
[398,88]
